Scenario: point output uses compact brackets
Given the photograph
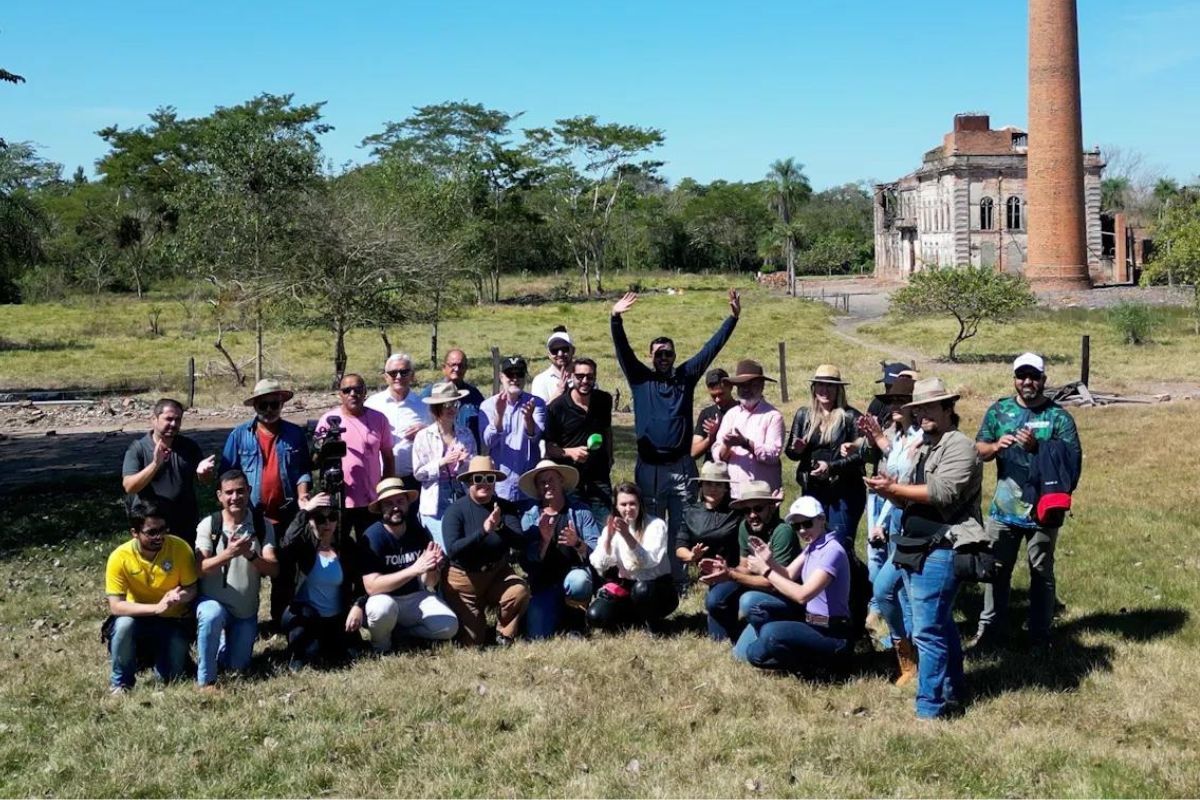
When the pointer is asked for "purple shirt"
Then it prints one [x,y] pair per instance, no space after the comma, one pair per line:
[826,554]
[512,448]
[365,437]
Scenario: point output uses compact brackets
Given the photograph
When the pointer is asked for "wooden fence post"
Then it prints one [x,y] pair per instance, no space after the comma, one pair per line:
[1085,359]
[783,387]
[191,381]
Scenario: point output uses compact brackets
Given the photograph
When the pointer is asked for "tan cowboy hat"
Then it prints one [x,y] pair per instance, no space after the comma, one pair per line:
[902,389]
[268,387]
[390,487]
[481,465]
[527,483]
[444,392]
[713,472]
[747,370]
[828,373]
[756,492]
[930,390]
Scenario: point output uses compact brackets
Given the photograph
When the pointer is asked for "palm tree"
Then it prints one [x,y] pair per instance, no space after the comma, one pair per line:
[788,189]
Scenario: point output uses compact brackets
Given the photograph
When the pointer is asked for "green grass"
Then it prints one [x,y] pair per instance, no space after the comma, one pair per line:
[1109,714]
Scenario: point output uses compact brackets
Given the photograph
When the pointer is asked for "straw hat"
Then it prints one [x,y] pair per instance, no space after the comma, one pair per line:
[481,465]
[390,487]
[828,373]
[930,390]
[747,370]
[444,392]
[756,492]
[527,483]
[902,389]
[713,472]
[269,387]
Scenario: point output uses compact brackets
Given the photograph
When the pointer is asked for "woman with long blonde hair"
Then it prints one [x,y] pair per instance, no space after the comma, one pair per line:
[825,470]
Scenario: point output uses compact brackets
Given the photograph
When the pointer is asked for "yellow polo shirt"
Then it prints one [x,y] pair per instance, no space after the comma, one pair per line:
[130,575]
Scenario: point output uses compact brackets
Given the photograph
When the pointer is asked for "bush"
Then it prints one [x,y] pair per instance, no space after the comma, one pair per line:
[1132,321]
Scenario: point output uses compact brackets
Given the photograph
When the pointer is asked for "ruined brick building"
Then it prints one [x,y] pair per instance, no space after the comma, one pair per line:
[966,204]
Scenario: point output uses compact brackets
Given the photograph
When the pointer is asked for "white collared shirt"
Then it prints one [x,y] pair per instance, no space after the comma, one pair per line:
[401,414]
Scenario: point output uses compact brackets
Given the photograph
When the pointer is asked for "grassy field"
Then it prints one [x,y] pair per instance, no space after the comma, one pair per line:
[1108,713]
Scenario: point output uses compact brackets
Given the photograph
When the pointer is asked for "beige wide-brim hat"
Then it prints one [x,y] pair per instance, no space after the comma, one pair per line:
[748,370]
[390,487]
[527,483]
[444,392]
[828,373]
[930,390]
[754,492]
[269,387]
[481,465]
[713,472]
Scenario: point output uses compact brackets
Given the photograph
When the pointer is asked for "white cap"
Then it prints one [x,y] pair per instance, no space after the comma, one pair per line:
[1030,360]
[804,508]
[559,336]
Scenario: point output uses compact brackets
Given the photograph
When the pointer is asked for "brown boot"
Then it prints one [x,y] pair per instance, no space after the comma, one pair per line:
[906,656]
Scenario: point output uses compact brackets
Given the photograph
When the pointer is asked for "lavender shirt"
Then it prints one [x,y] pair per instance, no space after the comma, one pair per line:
[513,450]
[827,554]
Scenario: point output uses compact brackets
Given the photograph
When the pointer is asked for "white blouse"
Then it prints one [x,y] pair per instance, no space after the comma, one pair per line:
[644,561]
[428,449]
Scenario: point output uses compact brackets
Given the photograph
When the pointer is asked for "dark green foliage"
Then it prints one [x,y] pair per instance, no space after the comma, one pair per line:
[1133,322]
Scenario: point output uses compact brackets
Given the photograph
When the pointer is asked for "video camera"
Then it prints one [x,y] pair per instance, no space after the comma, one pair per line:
[328,460]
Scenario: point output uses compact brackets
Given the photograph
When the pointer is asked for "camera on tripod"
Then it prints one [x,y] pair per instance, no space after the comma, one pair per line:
[329,462]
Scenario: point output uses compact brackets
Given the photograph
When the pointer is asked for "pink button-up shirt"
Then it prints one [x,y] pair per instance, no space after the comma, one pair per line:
[763,426]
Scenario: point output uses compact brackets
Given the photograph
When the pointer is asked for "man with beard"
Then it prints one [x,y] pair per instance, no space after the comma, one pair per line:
[555,380]
[1013,432]
[579,434]
[273,455]
[401,569]
[750,438]
[150,582]
[162,468]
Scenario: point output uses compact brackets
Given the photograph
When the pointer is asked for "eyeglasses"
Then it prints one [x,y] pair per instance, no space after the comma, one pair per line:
[399,373]
[450,406]
[483,479]
[455,365]
[558,351]
[154,531]
[760,510]
[803,524]
[324,519]
[353,390]
[268,405]
[585,376]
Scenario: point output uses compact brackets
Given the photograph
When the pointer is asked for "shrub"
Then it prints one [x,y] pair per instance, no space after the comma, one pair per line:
[1132,321]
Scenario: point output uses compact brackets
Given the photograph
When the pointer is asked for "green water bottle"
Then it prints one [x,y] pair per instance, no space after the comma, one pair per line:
[595,442]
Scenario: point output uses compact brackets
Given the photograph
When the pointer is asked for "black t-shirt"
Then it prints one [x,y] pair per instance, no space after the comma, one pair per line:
[173,488]
[467,546]
[385,554]
[568,425]
[713,411]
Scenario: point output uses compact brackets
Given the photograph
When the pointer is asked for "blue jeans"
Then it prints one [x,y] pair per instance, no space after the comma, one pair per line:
[221,639]
[168,638]
[789,645]
[756,608]
[547,606]
[721,604]
[844,504]
[665,493]
[940,661]
[889,597]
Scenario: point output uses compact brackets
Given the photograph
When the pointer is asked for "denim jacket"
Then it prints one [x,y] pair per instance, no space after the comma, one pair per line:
[291,448]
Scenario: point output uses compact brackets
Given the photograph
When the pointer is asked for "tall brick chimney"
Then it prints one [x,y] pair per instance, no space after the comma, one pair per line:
[1054,187]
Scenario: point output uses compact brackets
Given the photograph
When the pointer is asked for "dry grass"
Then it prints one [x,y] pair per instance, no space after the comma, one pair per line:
[1110,713]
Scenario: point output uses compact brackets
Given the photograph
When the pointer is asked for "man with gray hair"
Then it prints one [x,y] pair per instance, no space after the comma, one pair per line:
[405,412]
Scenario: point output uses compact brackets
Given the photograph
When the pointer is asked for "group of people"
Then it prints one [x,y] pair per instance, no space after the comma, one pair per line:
[452,506]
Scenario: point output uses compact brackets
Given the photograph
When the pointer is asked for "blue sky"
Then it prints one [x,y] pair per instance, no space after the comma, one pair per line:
[854,90]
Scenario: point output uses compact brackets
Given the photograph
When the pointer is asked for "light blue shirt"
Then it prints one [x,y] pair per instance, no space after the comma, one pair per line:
[322,587]
[513,449]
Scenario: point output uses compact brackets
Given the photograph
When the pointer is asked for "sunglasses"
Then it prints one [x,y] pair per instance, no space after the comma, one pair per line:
[483,480]
[515,376]
[803,524]
[324,519]
[399,373]
[585,376]
[760,510]
[664,353]
[1028,375]
[558,351]
[268,405]
[353,390]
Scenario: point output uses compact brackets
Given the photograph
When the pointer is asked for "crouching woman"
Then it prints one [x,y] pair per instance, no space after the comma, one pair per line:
[322,623]
[813,630]
[631,556]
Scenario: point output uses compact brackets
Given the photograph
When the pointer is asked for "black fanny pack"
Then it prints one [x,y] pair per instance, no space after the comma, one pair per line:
[911,551]
[976,563]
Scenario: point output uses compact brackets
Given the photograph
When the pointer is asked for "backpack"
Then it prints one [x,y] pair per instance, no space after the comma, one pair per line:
[217,523]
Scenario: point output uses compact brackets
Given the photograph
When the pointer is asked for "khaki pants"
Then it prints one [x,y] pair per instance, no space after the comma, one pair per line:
[470,594]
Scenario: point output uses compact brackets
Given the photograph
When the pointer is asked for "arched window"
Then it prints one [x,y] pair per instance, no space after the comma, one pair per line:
[987,210]
[1012,210]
